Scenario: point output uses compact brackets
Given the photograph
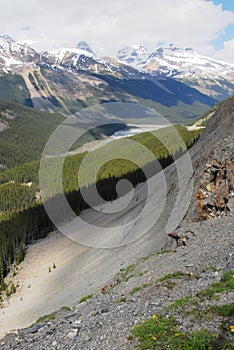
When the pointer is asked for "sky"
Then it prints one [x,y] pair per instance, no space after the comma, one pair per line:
[108,25]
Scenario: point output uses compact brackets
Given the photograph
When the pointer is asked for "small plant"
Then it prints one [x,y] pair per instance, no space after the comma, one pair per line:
[145,258]
[123,299]
[29,286]
[173,275]
[164,251]
[136,289]
[12,290]
[140,274]
[66,308]
[181,302]
[46,318]
[54,266]
[84,299]
[14,273]
[49,269]
[124,273]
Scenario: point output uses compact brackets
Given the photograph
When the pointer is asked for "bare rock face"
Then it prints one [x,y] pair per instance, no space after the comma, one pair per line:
[215,192]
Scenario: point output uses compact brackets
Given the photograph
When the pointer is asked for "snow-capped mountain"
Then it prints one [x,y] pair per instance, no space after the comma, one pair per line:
[66,55]
[186,63]
[13,53]
[69,57]
[136,55]
[212,77]
[173,80]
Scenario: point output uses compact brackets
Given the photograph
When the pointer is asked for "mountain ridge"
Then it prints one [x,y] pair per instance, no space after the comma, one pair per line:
[80,67]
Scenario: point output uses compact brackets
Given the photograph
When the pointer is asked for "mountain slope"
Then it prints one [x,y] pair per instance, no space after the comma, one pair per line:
[68,80]
[23,132]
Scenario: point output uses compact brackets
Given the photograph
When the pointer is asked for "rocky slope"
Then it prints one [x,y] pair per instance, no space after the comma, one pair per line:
[191,281]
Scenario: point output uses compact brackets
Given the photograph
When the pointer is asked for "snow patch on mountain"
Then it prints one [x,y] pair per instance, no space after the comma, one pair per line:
[185,63]
[13,53]
[134,55]
[62,55]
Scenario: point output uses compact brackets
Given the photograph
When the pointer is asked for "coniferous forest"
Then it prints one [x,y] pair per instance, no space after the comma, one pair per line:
[23,218]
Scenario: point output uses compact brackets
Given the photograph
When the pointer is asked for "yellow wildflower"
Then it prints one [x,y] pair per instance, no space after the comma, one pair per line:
[154,338]
[177,334]
[154,317]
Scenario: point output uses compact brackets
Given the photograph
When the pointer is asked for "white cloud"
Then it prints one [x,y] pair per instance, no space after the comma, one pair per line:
[112,24]
[227,52]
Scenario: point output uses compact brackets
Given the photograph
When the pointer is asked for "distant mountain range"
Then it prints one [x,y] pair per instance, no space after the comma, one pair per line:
[211,77]
[179,83]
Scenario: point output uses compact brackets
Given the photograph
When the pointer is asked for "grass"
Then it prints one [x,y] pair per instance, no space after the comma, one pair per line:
[164,333]
[125,272]
[66,308]
[47,318]
[226,284]
[84,299]
[136,289]
[173,275]
[223,310]
[180,303]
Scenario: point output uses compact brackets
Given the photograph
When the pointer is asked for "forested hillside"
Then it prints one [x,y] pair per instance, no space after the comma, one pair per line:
[24,133]
[22,215]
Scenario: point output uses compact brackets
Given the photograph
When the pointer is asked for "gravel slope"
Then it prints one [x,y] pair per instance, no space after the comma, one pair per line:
[103,322]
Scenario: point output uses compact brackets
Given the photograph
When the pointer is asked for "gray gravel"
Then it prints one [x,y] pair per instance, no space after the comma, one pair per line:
[105,320]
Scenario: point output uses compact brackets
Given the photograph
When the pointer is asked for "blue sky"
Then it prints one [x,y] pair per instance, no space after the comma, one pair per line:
[107,26]
[227,5]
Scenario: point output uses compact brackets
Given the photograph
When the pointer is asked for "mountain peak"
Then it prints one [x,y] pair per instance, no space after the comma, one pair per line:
[7,38]
[83,45]
[133,54]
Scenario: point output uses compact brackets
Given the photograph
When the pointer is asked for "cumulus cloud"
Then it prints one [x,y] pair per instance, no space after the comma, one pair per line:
[226,53]
[111,25]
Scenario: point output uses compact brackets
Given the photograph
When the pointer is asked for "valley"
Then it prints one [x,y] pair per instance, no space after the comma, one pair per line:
[108,164]
[84,263]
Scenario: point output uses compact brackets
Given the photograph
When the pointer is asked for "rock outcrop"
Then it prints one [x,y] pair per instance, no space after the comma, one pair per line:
[215,193]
